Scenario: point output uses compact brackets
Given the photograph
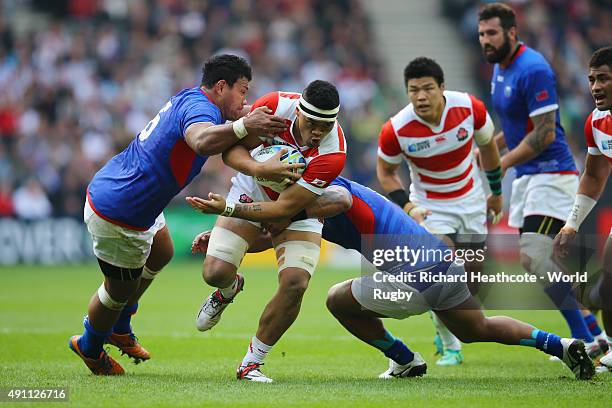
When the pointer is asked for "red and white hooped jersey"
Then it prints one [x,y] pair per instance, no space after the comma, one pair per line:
[440,158]
[323,163]
[598,132]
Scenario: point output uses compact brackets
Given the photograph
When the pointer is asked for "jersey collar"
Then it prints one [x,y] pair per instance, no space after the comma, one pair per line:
[521,49]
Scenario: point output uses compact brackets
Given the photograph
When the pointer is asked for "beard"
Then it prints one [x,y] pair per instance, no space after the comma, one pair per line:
[499,53]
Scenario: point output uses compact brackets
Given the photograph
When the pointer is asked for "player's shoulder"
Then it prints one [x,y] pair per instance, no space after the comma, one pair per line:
[189,97]
[457,99]
[403,117]
[533,62]
[334,142]
[600,121]
[283,104]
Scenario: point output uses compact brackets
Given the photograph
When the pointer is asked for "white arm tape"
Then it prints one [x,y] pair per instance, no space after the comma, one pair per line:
[239,128]
[229,209]
[582,207]
[484,135]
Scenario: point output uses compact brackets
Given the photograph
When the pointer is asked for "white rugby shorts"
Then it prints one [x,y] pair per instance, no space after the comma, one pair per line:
[120,246]
[547,194]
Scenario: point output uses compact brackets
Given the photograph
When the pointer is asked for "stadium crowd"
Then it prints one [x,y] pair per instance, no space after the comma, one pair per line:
[80,79]
[565,32]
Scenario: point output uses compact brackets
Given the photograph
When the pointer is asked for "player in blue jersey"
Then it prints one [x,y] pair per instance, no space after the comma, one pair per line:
[125,198]
[524,95]
[357,217]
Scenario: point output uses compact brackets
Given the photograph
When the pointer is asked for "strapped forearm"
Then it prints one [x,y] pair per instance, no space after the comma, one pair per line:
[581,208]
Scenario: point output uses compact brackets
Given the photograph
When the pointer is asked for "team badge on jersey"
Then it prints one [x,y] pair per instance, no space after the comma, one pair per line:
[245,199]
[462,134]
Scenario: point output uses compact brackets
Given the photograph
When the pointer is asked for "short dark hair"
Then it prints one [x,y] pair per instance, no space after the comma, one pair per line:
[322,94]
[423,67]
[601,57]
[227,67]
[506,15]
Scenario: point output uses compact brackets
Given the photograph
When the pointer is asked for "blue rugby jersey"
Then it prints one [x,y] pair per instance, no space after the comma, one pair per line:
[134,187]
[527,88]
[377,223]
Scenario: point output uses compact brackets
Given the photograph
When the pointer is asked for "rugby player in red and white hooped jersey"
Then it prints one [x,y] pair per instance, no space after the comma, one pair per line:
[435,135]
[598,133]
[313,130]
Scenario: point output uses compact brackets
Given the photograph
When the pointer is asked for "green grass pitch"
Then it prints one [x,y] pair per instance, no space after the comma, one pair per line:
[316,363]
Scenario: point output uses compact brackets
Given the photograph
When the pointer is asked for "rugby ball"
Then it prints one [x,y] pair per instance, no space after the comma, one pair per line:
[263,153]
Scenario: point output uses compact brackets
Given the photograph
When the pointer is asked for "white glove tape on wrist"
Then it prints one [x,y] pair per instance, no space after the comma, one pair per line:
[239,128]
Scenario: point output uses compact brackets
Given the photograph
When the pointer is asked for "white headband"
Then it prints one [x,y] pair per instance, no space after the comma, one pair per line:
[311,111]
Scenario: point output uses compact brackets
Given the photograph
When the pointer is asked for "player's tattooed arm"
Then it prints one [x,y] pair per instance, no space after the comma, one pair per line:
[543,133]
[535,142]
[290,202]
[334,200]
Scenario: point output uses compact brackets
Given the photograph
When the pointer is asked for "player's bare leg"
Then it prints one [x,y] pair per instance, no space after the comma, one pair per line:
[228,243]
[162,251]
[367,326]
[469,324]
[297,253]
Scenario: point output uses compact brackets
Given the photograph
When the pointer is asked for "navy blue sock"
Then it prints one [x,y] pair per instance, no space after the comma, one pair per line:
[394,348]
[399,353]
[591,322]
[123,325]
[547,342]
[92,341]
[562,296]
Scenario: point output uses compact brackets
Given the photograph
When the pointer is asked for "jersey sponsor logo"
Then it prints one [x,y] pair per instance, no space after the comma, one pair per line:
[606,145]
[245,199]
[318,182]
[500,78]
[417,147]
[462,134]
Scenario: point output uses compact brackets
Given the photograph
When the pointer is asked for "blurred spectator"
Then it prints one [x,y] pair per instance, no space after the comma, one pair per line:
[30,201]
[80,78]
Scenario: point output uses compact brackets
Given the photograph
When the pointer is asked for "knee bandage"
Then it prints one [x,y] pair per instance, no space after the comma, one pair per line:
[539,249]
[298,254]
[108,301]
[227,246]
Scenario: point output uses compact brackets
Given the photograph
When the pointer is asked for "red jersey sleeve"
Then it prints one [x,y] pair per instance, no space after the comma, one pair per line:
[389,148]
[479,111]
[321,171]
